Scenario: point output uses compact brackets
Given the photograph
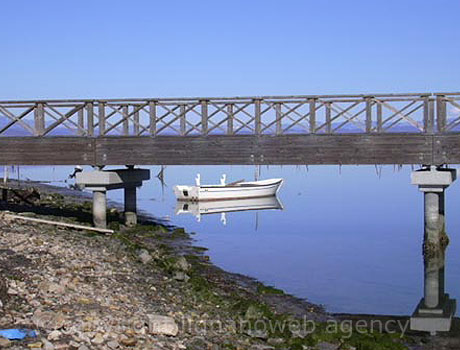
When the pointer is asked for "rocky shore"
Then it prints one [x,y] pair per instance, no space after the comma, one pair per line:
[149,287]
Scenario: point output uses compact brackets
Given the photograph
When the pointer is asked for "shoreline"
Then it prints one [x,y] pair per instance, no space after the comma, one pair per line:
[234,300]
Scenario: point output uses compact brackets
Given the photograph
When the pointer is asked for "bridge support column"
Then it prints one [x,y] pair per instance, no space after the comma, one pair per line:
[130,206]
[100,209]
[435,310]
[101,181]
[432,182]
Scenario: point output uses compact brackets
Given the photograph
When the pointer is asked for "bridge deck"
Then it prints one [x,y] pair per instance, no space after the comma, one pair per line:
[358,129]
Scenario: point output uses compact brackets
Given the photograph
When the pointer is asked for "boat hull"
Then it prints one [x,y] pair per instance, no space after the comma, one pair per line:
[242,190]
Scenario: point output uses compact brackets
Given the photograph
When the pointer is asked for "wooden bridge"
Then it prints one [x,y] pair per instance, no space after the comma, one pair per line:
[416,128]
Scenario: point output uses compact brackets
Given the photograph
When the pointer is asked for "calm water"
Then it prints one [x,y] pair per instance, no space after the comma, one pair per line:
[347,238]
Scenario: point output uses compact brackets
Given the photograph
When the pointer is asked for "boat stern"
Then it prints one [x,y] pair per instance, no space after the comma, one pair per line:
[190,193]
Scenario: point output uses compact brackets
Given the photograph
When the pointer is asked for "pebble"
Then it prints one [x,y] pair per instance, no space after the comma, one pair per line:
[113,344]
[62,346]
[144,256]
[50,287]
[165,325]
[181,276]
[197,343]
[182,264]
[327,346]
[47,345]
[4,343]
[98,339]
[261,347]
[54,335]
[128,341]
[257,333]
[48,319]
[74,345]
[275,341]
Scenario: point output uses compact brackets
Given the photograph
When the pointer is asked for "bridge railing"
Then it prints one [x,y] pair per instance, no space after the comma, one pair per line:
[274,115]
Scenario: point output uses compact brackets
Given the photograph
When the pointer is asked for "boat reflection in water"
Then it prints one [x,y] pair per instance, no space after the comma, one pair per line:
[435,310]
[222,207]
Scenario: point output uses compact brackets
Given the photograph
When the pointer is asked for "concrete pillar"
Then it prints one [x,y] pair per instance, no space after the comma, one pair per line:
[432,216]
[441,219]
[100,209]
[130,206]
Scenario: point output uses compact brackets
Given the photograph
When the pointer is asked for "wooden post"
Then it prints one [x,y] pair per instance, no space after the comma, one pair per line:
[257,117]
[39,118]
[368,114]
[431,114]
[230,119]
[427,115]
[5,175]
[101,118]
[279,126]
[379,118]
[126,120]
[153,118]
[90,118]
[204,117]
[136,122]
[328,118]
[441,115]
[183,123]
[81,122]
[313,116]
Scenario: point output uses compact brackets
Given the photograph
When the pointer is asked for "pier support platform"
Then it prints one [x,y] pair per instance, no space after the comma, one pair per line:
[101,181]
[433,182]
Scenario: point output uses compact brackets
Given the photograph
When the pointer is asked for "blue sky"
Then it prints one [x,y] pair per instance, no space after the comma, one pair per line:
[140,48]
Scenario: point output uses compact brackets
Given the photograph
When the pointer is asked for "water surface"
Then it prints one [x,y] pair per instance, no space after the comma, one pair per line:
[348,237]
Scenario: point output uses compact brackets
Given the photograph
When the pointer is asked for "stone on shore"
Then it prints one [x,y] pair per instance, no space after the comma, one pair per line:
[182,264]
[113,344]
[164,325]
[197,343]
[327,346]
[98,339]
[128,341]
[47,345]
[261,347]
[54,335]
[4,343]
[257,333]
[48,319]
[181,276]
[3,293]
[144,256]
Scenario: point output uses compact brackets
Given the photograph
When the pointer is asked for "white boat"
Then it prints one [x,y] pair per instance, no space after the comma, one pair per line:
[235,190]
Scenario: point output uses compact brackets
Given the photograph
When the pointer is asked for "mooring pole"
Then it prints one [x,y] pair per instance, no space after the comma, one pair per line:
[5,174]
